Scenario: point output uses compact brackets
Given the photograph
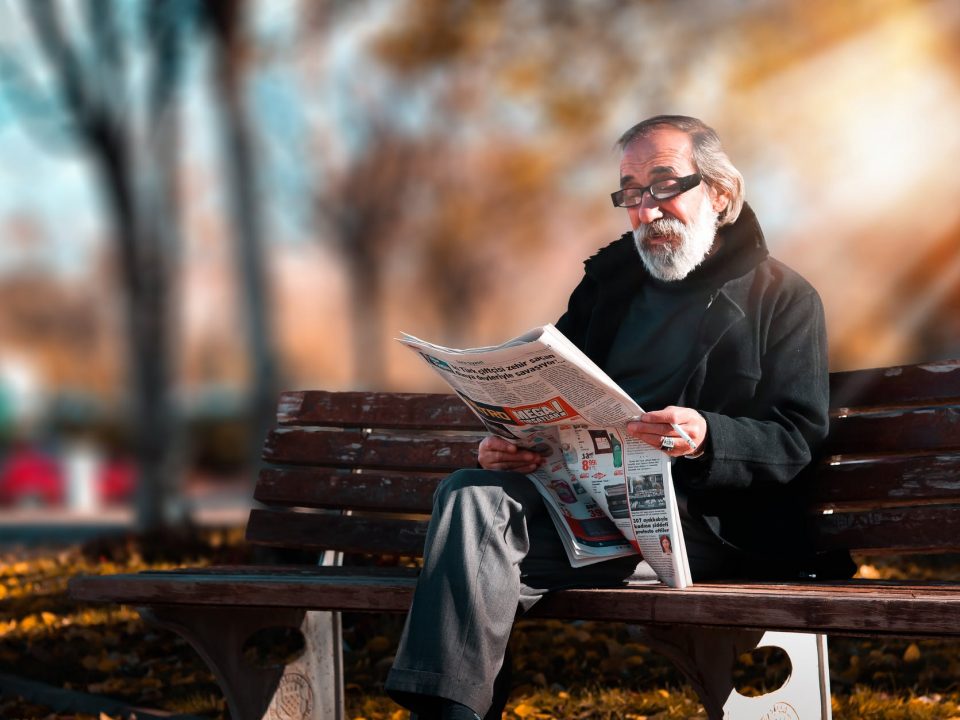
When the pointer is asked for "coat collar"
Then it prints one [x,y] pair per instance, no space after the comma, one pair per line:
[742,248]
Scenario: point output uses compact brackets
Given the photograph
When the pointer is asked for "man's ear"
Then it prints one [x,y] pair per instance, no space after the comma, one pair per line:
[718,200]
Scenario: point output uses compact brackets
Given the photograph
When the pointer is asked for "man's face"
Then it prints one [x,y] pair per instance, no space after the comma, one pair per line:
[672,236]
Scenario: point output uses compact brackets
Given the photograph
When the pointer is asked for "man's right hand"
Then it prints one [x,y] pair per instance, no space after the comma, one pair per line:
[497,453]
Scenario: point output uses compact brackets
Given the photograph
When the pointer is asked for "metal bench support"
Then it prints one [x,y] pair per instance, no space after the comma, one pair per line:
[309,688]
[707,657]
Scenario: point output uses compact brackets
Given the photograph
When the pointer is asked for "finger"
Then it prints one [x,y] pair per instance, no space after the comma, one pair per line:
[671,415]
[667,415]
[681,447]
[653,440]
[638,428]
[499,444]
[494,454]
[652,434]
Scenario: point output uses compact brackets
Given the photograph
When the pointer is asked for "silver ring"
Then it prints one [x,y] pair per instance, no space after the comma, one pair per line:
[667,443]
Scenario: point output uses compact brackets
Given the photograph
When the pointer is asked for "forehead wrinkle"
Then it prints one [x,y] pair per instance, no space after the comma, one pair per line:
[663,170]
[654,172]
[649,158]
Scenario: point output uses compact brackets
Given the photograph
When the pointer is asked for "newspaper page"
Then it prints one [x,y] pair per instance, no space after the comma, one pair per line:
[608,494]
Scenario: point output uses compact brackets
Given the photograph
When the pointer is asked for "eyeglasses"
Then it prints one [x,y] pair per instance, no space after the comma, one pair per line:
[660,190]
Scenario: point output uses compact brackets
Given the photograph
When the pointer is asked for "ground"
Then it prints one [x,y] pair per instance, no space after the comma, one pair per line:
[562,669]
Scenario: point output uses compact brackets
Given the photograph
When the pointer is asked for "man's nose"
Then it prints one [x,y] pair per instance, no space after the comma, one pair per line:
[648,209]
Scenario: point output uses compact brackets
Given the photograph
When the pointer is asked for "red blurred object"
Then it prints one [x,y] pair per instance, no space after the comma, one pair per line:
[117,481]
[30,476]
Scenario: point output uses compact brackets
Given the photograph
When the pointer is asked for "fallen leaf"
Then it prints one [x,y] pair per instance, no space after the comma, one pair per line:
[869,572]
[525,710]
[911,654]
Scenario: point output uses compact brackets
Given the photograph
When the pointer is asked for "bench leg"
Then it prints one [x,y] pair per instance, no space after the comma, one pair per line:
[309,688]
[706,656]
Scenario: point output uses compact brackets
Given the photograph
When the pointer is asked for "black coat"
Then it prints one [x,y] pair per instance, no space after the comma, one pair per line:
[761,382]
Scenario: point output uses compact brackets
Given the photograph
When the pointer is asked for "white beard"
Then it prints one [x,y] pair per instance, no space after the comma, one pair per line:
[669,262]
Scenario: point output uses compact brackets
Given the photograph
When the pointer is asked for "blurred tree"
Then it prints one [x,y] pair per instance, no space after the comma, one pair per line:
[498,191]
[420,162]
[130,131]
[362,209]
[117,75]
[225,21]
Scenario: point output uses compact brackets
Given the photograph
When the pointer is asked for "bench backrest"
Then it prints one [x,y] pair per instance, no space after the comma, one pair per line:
[889,479]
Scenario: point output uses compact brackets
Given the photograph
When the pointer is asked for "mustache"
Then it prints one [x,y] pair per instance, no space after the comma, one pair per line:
[664,226]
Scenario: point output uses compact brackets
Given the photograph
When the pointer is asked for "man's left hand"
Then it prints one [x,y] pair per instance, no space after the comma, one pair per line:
[652,427]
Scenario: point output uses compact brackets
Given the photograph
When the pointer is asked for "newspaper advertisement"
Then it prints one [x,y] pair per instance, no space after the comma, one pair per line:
[608,493]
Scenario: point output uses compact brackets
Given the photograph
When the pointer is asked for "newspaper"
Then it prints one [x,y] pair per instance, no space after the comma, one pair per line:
[609,494]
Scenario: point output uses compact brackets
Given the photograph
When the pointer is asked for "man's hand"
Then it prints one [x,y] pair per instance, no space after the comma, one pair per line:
[499,454]
[652,427]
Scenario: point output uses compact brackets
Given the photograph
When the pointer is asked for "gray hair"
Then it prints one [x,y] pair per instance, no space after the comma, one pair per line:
[709,158]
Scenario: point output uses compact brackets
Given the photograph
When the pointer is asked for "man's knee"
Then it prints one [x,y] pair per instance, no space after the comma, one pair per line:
[479,484]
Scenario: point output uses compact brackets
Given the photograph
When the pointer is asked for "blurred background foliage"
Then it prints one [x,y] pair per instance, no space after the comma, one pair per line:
[205,201]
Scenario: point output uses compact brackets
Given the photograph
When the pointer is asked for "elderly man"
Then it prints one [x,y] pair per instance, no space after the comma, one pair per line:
[689,315]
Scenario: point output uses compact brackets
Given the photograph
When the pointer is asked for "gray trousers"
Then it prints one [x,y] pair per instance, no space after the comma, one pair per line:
[491,551]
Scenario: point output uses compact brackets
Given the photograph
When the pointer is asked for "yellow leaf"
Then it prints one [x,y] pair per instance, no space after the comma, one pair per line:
[911,654]
[525,709]
[29,622]
[107,665]
[48,618]
[379,644]
[868,572]
[563,695]
[399,715]
[663,693]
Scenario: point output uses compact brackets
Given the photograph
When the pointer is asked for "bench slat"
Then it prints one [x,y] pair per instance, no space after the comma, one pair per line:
[930,528]
[890,481]
[331,531]
[323,488]
[895,432]
[873,608]
[376,410]
[871,484]
[936,383]
[893,530]
[429,452]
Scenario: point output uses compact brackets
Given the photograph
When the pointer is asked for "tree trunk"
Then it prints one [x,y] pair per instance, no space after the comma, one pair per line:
[366,312]
[237,151]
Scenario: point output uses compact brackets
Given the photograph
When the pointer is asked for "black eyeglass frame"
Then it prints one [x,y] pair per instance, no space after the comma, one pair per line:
[678,186]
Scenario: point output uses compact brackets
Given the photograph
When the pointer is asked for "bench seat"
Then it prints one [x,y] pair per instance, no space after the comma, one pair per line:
[842,607]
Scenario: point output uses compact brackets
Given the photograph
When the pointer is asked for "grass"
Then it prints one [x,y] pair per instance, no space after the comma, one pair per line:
[562,669]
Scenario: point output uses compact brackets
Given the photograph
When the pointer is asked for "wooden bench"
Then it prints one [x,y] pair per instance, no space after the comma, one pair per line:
[355,472]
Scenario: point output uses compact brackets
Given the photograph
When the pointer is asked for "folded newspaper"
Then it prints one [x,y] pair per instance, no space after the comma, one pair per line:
[608,493]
